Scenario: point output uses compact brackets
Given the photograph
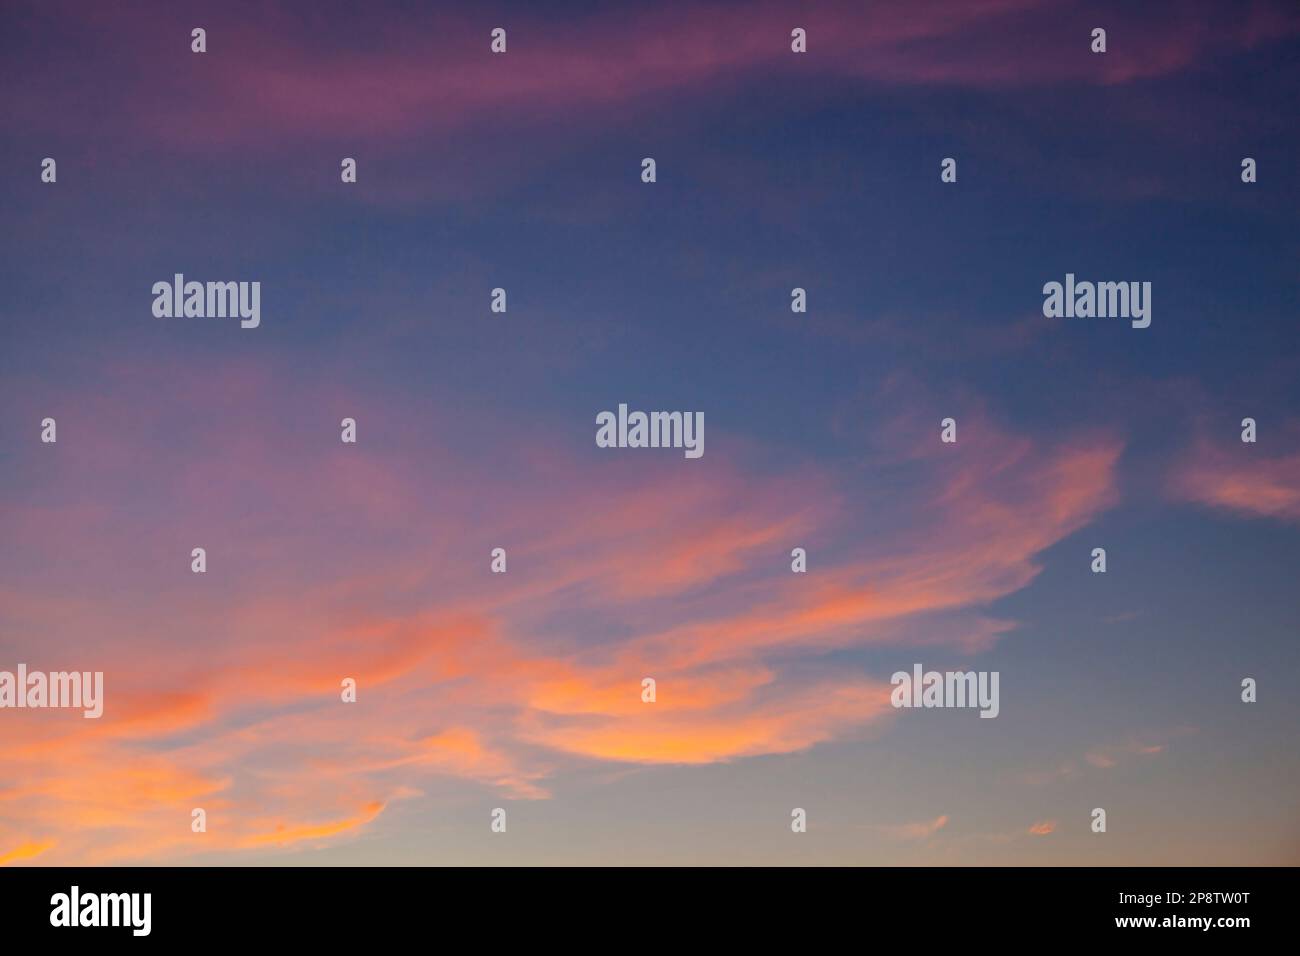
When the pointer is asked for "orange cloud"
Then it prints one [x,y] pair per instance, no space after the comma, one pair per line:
[917,831]
[780,725]
[223,692]
[1043,828]
[286,833]
[25,851]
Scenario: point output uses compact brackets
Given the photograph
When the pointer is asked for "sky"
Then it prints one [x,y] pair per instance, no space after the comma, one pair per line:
[475,430]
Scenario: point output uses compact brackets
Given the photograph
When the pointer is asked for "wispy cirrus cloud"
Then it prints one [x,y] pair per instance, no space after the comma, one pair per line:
[25,851]
[915,831]
[498,682]
[1110,755]
[1260,480]
[271,75]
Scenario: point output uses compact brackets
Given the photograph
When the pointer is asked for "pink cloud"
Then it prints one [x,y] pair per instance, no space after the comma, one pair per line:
[917,831]
[270,76]
[1250,479]
[223,690]
[1111,755]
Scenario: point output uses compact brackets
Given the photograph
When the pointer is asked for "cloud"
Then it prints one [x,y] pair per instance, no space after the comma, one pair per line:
[1108,756]
[1248,479]
[25,851]
[223,690]
[782,723]
[916,831]
[271,77]
[288,833]
[1043,828]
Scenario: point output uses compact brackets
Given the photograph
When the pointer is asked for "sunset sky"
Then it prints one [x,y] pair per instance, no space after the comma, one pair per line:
[476,430]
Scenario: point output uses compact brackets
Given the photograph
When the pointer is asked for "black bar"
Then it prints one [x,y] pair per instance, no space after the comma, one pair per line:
[632,909]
